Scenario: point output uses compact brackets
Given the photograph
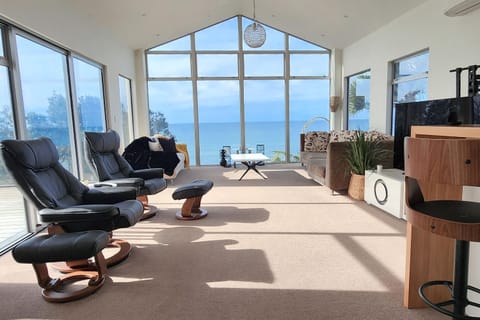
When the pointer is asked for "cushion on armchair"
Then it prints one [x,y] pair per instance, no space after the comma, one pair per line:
[316,141]
[155,145]
[167,143]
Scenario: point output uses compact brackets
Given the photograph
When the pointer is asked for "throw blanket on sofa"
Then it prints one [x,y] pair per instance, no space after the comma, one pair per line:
[138,154]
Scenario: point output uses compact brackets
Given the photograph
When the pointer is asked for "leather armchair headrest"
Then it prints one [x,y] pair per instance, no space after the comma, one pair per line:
[27,152]
[103,142]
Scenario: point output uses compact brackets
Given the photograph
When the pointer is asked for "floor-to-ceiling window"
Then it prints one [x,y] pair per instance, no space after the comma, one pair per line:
[410,80]
[309,89]
[45,90]
[358,101]
[90,108]
[14,220]
[45,95]
[126,107]
[209,90]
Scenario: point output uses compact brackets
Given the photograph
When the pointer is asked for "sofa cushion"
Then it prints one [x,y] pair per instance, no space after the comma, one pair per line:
[342,135]
[316,141]
[377,136]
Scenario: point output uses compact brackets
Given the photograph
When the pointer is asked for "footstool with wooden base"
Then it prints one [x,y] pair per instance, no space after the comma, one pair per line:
[65,247]
[193,193]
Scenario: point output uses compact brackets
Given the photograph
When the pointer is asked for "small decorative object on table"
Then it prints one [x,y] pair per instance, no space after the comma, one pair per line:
[223,158]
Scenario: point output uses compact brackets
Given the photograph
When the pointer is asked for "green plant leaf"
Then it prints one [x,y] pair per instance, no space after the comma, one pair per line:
[364,154]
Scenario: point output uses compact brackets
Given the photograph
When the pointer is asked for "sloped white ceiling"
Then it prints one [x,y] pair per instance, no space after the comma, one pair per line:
[330,23]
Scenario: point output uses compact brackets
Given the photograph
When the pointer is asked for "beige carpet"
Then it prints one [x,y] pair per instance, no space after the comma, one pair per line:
[281,248]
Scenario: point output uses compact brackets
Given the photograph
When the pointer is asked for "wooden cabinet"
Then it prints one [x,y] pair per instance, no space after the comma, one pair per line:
[430,257]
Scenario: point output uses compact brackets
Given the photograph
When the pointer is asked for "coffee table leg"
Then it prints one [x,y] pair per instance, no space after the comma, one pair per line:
[253,166]
[248,168]
[261,175]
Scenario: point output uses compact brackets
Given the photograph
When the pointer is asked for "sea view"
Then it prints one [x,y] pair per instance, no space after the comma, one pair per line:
[213,136]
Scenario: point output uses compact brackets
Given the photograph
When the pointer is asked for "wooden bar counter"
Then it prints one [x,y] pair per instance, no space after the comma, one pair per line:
[430,257]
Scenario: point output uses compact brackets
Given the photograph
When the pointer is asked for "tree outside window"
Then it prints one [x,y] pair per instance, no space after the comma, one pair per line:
[358,101]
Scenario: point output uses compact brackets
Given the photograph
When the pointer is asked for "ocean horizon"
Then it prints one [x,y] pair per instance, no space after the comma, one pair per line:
[214,136]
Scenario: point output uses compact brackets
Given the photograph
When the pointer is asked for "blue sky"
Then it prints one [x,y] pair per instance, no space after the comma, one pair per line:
[219,100]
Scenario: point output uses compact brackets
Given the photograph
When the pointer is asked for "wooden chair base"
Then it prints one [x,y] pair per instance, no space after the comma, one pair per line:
[191,209]
[62,289]
[149,211]
[123,247]
[192,216]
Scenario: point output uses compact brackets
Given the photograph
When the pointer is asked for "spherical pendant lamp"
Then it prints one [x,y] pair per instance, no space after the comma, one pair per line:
[254,35]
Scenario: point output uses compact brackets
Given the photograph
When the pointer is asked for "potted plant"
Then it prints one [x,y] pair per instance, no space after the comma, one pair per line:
[363,153]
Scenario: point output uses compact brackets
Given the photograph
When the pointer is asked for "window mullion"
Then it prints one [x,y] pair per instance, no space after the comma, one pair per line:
[194,77]
[241,76]
[74,122]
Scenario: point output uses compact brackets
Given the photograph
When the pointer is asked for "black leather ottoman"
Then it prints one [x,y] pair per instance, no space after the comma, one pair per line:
[193,193]
[65,247]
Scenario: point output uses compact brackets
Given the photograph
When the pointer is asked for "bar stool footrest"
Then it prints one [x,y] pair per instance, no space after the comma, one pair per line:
[441,306]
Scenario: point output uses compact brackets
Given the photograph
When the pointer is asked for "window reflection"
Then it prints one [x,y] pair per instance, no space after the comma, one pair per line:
[410,81]
[2,53]
[358,101]
[14,220]
[45,97]
[412,65]
[90,109]
[126,109]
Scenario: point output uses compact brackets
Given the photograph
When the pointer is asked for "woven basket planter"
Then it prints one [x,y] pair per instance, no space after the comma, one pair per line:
[356,187]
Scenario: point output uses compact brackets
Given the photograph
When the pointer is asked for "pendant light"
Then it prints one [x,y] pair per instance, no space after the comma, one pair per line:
[254,35]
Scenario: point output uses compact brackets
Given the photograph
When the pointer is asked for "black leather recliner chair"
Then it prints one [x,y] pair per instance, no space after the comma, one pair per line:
[63,201]
[111,167]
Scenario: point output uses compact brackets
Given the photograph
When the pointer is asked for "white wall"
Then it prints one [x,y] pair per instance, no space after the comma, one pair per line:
[453,42]
[60,22]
